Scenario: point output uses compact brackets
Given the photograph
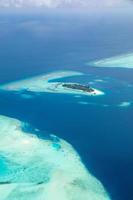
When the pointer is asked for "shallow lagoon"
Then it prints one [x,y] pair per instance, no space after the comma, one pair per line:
[103,142]
[42,169]
[122,61]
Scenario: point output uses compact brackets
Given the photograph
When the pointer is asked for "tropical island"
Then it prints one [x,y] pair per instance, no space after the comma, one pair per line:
[50,83]
[75,86]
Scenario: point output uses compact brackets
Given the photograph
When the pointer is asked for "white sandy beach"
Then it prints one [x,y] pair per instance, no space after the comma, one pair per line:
[43,83]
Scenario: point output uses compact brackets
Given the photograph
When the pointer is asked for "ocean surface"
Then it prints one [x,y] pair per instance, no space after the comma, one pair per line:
[100,128]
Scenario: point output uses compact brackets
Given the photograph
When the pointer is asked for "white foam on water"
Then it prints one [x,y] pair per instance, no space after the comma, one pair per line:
[122,61]
[41,169]
[43,83]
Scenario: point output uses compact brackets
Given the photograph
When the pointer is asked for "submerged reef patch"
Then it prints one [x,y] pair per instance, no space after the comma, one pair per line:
[125,104]
[122,61]
[40,169]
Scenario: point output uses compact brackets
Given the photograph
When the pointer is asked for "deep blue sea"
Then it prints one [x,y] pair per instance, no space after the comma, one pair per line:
[36,42]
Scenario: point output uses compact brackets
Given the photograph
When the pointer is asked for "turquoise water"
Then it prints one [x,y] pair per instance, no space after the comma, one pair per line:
[3,166]
[99,128]
[121,61]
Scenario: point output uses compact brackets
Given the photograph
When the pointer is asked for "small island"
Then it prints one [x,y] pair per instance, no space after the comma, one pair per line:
[49,83]
[75,86]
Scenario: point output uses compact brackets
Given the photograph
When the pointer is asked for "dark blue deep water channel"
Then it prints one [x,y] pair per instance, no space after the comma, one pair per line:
[36,42]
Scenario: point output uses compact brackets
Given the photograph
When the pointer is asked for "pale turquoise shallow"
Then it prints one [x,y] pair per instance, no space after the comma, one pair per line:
[122,61]
[43,169]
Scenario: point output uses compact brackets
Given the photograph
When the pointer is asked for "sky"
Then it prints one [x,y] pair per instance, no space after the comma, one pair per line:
[64,3]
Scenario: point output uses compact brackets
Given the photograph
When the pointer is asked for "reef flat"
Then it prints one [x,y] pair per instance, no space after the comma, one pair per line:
[122,61]
[42,169]
[48,83]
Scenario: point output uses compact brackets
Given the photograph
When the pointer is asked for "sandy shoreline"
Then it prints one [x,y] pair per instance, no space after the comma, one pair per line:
[42,84]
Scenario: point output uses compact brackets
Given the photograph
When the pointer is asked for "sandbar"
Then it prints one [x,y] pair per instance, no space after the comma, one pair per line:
[120,61]
[48,83]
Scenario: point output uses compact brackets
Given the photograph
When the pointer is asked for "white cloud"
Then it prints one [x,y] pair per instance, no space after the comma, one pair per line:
[62,3]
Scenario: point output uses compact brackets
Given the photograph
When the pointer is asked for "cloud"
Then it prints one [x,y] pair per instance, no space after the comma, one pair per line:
[63,3]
